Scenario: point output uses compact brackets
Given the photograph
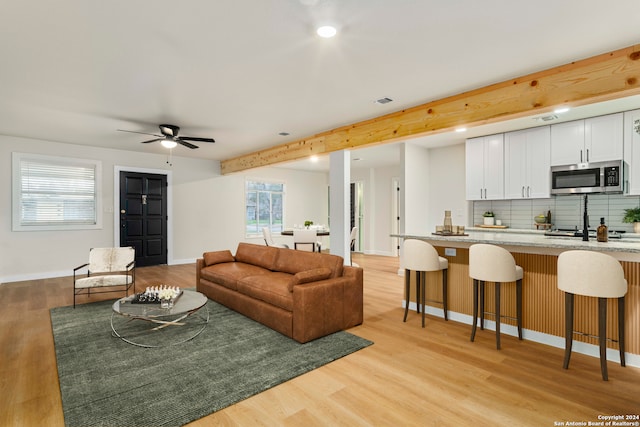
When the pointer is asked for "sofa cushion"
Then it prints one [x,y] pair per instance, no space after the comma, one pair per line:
[307,276]
[272,288]
[227,274]
[263,256]
[292,261]
[217,257]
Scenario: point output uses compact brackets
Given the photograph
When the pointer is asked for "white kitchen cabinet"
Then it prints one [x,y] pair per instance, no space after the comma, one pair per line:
[527,155]
[632,151]
[595,139]
[485,167]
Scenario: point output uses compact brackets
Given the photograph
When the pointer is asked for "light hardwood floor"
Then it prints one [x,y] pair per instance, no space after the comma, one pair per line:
[410,376]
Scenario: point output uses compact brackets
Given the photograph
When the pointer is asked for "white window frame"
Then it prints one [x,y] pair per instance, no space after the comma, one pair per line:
[18,158]
[258,233]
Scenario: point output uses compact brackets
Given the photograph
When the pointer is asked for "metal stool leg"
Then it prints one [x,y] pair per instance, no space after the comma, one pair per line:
[568,329]
[445,304]
[407,291]
[482,305]
[475,309]
[602,336]
[423,292]
[497,296]
[519,307]
[621,330]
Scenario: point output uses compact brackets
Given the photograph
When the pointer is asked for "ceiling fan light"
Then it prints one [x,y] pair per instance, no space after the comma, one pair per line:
[168,143]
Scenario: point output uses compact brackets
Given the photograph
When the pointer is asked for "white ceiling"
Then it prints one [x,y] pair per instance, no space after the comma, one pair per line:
[241,71]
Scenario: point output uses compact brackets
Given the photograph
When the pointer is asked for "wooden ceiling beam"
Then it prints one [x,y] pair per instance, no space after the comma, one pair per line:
[600,78]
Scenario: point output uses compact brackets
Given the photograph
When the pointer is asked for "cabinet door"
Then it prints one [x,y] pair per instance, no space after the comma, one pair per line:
[494,167]
[539,163]
[632,150]
[603,137]
[515,165]
[567,143]
[474,168]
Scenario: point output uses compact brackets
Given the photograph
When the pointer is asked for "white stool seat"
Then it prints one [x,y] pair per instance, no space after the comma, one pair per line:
[421,257]
[491,263]
[592,274]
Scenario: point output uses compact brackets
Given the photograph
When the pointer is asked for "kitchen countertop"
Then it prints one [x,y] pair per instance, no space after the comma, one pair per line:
[532,241]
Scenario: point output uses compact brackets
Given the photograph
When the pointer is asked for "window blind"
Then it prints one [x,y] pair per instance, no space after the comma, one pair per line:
[54,193]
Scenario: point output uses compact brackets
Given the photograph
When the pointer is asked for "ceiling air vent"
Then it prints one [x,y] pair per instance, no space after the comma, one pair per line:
[383,100]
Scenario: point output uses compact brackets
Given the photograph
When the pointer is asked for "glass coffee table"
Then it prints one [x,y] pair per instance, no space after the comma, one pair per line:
[184,321]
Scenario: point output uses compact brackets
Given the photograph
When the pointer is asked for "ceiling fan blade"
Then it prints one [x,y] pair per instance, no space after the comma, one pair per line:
[189,138]
[152,140]
[141,133]
[185,143]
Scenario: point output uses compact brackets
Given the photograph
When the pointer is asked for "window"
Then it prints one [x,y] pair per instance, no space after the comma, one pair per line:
[55,193]
[264,207]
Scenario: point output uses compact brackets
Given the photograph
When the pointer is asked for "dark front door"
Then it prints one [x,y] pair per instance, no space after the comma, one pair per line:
[143,216]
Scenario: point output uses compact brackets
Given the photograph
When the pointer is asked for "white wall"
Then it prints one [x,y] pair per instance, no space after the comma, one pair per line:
[208,209]
[447,186]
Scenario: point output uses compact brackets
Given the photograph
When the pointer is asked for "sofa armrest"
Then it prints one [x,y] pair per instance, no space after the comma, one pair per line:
[319,308]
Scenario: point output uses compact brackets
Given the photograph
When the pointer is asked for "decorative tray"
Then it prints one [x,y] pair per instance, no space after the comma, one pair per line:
[143,298]
[440,233]
[491,226]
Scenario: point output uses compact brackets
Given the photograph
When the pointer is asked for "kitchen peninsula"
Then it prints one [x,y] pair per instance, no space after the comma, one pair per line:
[543,303]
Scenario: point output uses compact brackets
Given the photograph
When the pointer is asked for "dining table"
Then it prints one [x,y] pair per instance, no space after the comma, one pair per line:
[319,232]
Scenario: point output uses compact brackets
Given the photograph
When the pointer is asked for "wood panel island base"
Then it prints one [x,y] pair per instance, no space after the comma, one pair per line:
[543,304]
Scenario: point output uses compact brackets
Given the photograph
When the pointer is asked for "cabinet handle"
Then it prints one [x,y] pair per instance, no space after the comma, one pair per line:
[587,155]
[523,191]
[485,193]
[481,193]
[580,156]
[528,191]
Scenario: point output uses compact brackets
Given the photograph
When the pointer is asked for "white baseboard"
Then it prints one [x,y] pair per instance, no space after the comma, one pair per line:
[69,273]
[592,350]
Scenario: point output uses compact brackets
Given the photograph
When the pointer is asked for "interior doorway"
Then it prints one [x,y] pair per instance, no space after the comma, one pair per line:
[357,214]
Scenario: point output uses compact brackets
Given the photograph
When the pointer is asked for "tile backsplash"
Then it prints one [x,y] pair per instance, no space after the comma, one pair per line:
[566,211]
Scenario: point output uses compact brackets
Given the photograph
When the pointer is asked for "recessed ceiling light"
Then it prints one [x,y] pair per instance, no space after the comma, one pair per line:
[314,159]
[284,134]
[561,110]
[461,129]
[326,31]
[357,159]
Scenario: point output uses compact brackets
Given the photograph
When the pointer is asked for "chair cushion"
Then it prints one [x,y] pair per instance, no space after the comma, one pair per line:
[519,273]
[105,280]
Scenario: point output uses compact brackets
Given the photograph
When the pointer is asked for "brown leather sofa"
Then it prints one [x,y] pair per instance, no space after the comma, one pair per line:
[302,295]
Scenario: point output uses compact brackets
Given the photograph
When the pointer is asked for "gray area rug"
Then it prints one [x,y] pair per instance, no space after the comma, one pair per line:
[107,382]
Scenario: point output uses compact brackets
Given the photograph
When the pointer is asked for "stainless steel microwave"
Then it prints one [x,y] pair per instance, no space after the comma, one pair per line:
[584,178]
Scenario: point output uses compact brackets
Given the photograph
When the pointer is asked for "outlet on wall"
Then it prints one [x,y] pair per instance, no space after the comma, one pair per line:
[450,251]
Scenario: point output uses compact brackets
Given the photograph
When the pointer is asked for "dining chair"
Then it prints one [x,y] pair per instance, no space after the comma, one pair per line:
[268,239]
[305,238]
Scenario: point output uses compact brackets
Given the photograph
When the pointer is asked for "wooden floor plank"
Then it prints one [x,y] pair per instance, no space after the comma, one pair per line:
[410,376]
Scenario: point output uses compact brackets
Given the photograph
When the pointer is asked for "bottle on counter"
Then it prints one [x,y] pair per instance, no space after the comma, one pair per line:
[602,234]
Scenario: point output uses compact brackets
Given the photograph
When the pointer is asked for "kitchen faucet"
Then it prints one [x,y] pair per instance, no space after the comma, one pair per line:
[585,222]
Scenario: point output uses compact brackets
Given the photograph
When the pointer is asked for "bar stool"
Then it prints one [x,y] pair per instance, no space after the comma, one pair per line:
[421,257]
[490,263]
[598,275]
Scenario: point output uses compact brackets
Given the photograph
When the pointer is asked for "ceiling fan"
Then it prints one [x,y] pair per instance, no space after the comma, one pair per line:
[170,138]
